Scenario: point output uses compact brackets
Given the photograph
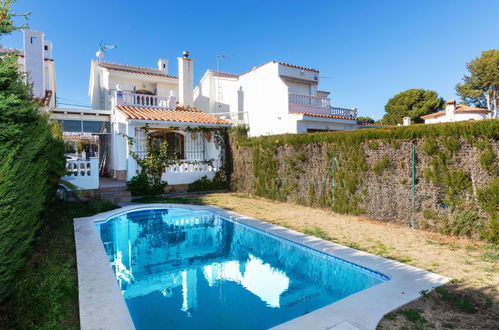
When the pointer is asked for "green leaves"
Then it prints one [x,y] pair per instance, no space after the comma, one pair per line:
[482,83]
[412,103]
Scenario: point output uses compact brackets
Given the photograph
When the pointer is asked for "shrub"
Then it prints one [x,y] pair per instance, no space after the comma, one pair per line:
[205,184]
[383,164]
[142,185]
[488,161]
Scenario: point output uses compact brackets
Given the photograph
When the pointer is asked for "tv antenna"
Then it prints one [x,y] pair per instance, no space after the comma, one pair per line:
[219,86]
[102,50]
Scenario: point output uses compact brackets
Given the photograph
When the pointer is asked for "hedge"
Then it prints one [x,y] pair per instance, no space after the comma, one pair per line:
[31,161]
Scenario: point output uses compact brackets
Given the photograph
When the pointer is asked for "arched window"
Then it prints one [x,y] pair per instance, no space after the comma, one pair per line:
[175,143]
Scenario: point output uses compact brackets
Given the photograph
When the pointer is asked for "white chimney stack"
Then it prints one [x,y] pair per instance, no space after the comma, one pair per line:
[185,80]
[450,108]
[163,65]
[407,121]
[34,60]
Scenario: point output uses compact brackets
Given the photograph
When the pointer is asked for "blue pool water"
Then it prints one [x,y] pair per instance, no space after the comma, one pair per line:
[183,269]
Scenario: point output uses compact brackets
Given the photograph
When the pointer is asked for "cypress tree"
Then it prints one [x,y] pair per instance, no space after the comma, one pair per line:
[31,162]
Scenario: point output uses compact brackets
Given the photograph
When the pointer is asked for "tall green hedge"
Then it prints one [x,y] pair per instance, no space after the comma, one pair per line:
[281,170]
[31,161]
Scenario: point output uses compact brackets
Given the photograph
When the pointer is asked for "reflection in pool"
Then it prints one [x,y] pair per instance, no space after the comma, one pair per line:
[195,270]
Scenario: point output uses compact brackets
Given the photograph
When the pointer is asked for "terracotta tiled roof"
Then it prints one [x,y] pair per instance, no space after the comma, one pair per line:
[282,63]
[44,101]
[321,115]
[296,66]
[460,108]
[134,69]
[180,114]
[224,74]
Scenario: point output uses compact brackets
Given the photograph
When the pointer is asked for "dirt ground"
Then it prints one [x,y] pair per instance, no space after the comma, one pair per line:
[469,301]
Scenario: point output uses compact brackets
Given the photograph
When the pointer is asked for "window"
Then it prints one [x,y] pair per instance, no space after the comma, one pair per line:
[33,40]
[175,143]
[46,47]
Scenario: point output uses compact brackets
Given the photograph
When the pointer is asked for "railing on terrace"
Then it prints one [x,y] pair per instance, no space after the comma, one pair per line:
[309,100]
[193,166]
[145,100]
[345,112]
[236,118]
[84,174]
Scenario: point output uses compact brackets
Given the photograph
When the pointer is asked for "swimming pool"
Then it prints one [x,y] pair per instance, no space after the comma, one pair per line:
[195,269]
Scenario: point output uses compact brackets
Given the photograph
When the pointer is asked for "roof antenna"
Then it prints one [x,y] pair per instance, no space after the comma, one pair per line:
[102,50]
[219,86]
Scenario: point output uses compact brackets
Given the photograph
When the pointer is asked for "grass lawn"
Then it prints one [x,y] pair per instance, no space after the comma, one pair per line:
[469,301]
[45,295]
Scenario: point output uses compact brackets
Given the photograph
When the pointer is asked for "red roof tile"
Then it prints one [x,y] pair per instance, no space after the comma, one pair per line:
[460,108]
[180,114]
[224,74]
[134,69]
[44,101]
[296,66]
[321,115]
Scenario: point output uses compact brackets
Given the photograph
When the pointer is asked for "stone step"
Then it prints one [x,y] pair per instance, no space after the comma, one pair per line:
[121,199]
[113,188]
[114,193]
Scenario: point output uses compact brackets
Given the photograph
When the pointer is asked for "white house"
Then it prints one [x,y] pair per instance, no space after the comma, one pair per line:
[127,100]
[272,98]
[456,112]
[124,100]
[35,59]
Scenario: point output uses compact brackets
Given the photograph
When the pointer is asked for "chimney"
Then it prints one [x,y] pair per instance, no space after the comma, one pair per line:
[450,107]
[407,121]
[185,80]
[163,65]
[47,49]
[34,60]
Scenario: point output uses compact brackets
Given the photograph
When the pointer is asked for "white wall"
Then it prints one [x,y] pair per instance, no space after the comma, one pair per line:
[266,101]
[329,125]
[34,60]
[457,117]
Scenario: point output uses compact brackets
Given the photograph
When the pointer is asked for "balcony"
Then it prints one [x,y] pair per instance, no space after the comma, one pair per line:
[144,100]
[309,100]
[84,174]
[236,118]
[317,105]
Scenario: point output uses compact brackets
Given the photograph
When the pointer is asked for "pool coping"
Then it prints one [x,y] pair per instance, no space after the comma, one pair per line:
[102,305]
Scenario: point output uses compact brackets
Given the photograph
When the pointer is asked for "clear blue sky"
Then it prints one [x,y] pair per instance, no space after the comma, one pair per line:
[366,51]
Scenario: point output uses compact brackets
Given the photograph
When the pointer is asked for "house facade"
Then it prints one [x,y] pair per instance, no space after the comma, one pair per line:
[126,101]
[36,61]
[456,112]
[273,98]
[129,102]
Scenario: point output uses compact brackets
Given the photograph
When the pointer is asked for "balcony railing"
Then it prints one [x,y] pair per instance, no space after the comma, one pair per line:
[345,112]
[145,100]
[309,100]
[318,105]
[84,174]
[236,118]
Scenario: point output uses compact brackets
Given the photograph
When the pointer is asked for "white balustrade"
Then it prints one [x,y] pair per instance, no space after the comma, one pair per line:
[236,118]
[84,174]
[188,171]
[192,166]
[345,112]
[309,100]
[145,100]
